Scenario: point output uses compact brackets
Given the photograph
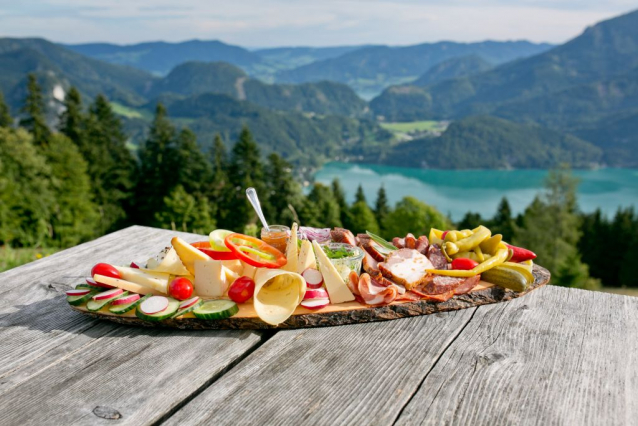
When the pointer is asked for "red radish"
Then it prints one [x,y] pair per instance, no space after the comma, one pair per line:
[188,303]
[108,294]
[126,300]
[318,293]
[106,270]
[78,292]
[313,278]
[91,281]
[315,303]
[154,304]
[136,265]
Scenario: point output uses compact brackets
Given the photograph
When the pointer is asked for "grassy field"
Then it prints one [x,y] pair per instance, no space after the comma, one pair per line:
[12,257]
[413,126]
[129,112]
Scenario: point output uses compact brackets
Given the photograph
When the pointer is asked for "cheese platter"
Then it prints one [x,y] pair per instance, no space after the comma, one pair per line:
[308,277]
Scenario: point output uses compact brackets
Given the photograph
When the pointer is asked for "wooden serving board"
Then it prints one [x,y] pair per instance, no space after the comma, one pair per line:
[344,313]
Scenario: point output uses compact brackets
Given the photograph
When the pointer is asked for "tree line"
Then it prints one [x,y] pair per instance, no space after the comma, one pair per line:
[63,186]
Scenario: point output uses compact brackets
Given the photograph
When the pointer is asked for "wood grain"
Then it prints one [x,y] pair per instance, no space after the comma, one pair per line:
[356,374]
[559,356]
[348,313]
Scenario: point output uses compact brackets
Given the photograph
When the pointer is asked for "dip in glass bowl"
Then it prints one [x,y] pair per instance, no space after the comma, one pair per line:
[344,257]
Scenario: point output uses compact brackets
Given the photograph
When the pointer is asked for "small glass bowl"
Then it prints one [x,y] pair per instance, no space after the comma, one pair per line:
[347,264]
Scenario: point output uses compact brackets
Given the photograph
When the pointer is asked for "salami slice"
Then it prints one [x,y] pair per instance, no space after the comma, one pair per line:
[437,257]
[468,285]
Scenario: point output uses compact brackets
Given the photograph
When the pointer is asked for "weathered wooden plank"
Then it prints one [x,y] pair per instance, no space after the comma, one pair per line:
[37,328]
[558,356]
[139,375]
[355,374]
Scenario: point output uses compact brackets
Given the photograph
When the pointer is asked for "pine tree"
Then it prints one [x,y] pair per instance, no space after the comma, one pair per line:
[192,167]
[470,221]
[381,207]
[34,110]
[321,209]
[157,176]
[363,219]
[245,170]
[282,190]
[5,114]
[185,212]
[340,197]
[360,195]
[503,223]
[112,167]
[219,186]
[594,246]
[72,121]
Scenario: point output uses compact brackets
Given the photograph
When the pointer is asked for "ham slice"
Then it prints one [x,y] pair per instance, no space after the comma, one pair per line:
[374,294]
[406,267]
[341,235]
[353,283]
[369,264]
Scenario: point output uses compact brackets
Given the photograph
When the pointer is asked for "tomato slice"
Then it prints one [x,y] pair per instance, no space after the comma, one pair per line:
[204,246]
[254,251]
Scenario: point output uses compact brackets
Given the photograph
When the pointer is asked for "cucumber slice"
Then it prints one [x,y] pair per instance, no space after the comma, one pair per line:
[122,309]
[85,286]
[96,305]
[78,300]
[216,309]
[181,312]
[173,306]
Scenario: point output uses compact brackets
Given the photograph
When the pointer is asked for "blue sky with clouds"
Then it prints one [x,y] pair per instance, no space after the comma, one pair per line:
[264,23]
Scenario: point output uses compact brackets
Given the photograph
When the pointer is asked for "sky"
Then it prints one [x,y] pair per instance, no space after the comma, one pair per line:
[269,23]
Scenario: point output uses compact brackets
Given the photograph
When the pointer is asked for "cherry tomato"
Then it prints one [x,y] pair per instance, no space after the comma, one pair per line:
[241,290]
[464,264]
[106,270]
[181,288]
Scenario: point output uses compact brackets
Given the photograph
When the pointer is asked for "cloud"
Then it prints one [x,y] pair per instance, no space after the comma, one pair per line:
[304,22]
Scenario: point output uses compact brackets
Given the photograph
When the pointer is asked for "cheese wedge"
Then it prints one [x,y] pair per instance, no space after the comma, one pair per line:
[306,257]
[337,288]
[248,271]
[152,279]
[188,254]
[127,285]
[234,265]
[167,261]
[292,251]
[210,278]
[277,294]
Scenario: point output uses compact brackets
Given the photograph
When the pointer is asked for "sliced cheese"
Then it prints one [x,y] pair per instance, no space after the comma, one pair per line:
[167,261]
[126,285]
[337,288]
[234,265]
[277,294]
[248,271]
[152,279]
[292,251]
[306,257]
[210,278]
[188,254]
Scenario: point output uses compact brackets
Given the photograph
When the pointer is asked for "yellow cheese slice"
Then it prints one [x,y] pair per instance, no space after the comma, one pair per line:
[291,251]
[156,280]
[234,265]
[337,288]
[306,257]
[277,294]
[126,285]
[248,270]
[188,254]
[167,261]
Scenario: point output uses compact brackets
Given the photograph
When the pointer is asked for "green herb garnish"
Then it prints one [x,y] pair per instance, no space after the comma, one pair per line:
[383,243]
[337,253]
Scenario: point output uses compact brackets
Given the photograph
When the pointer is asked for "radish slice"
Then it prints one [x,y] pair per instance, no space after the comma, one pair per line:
[91,281]
[318,293]
[78,292]
[126,300]
[313,278]
[315,303]
[188,303]
[136,265]
[154,304]
[108,294]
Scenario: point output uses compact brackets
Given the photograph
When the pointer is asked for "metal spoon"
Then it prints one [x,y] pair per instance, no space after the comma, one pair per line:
[254,200]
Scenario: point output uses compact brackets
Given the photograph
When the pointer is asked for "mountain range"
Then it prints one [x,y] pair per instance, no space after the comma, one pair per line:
[577,102]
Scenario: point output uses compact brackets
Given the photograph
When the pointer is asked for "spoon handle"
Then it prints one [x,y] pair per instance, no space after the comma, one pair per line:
[254,200]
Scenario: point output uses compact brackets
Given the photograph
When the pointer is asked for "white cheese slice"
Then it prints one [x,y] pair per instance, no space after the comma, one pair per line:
[167,261]
[292,251]
[234,265]
[126,285]
[306,257]
[210,278]
[248,271]
[337,288]
[152,279]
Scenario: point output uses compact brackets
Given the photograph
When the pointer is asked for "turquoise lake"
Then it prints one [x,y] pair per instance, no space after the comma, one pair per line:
[456,192]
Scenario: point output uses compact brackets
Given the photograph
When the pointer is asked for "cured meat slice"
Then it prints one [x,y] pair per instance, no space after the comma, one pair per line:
[406,267]
[362,238]
[422,244]
[369,247]
[410,241]
[378,277]
[373,293]
[341,235]
[437,257]
[369,264]
[353,283]
[468,285]
[398,242]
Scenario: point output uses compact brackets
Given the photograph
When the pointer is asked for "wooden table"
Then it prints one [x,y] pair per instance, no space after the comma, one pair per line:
[556,356]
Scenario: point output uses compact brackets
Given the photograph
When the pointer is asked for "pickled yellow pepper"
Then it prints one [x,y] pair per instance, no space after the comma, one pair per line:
[500,257]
